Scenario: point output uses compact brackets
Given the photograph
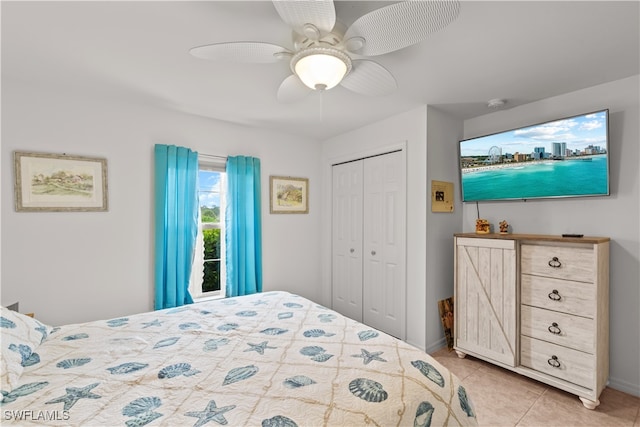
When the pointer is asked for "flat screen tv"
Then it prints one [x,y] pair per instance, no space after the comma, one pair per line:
[567,157]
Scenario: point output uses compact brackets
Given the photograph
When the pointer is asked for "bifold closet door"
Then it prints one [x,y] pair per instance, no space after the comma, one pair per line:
[384,236]
[368,275]
[346,274]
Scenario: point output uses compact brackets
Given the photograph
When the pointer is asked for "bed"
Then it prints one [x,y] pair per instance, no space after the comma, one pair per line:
[270,359]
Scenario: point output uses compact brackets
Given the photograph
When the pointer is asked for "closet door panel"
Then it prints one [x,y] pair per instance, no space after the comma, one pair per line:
[347,239]
[384,287]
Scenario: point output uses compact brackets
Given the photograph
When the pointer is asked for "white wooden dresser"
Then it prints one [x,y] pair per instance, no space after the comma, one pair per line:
[537,305]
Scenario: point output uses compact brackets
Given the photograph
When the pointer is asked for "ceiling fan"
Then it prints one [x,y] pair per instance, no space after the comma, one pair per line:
[325,54]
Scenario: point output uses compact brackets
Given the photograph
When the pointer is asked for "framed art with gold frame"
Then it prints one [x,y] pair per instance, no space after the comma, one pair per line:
[288,195]
[46,182]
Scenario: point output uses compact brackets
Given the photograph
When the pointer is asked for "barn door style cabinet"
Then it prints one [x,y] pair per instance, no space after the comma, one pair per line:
[537,305]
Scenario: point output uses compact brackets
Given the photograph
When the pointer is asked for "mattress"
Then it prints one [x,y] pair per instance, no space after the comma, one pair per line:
[270,359]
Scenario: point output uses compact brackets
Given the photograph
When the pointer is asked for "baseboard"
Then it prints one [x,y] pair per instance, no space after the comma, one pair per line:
[442,342]
[411,343]
[433,347]
[624,386]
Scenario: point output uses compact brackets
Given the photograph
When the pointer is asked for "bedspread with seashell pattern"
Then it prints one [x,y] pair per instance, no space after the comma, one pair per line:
[270,359]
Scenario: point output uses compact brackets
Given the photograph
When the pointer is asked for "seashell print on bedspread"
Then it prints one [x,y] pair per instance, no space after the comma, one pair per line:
[271,359]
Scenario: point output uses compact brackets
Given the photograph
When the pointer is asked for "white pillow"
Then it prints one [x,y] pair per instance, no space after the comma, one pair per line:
[21,335]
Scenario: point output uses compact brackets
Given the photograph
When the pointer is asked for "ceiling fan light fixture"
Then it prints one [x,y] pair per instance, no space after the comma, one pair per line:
[321,68]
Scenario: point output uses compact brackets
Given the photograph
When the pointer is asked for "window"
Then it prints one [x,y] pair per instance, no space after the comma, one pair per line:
[208,275]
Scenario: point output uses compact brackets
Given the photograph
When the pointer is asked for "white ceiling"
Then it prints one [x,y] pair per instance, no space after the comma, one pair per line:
[139,52]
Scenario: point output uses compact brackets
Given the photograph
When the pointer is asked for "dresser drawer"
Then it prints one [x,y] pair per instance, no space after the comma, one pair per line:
[562,262]
[559,328]
[560,362]
[559,295]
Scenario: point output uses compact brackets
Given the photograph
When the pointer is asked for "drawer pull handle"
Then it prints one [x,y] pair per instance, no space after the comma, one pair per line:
[554,329]
[554,362]
[555,262]
[554,295]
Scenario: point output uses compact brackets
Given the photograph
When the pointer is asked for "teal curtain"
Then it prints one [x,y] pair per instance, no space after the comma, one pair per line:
[243,227]
[176,223]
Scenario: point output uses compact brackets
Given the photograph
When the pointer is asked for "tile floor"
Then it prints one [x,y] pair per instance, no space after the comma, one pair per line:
[503,398]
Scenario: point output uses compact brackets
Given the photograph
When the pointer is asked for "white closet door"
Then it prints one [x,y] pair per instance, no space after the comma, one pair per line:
[384,220]
[346,275]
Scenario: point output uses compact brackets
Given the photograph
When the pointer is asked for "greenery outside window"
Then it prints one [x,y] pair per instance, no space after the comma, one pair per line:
[208,275]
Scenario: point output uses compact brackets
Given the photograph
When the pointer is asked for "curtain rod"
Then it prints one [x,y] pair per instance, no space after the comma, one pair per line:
[213,156]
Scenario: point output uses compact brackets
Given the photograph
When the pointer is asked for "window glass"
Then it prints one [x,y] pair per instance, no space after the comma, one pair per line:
[207,278]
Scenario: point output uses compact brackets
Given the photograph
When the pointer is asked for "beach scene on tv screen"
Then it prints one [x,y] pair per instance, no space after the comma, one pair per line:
[562,158]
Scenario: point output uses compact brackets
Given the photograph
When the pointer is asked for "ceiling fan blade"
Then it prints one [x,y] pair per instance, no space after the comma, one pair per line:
[254,52]
[292,90]
[400,25]
[369,78]
[297,13]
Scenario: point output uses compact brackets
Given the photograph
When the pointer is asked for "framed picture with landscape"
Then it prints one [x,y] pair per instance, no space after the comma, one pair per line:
[57,182]
[288,195]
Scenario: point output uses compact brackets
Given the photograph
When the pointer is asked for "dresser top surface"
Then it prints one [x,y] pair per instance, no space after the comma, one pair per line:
[537,237]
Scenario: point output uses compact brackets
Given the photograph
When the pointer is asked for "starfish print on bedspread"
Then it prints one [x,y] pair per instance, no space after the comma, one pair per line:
[368,357]
[74,394]
[210,413]
[260,348]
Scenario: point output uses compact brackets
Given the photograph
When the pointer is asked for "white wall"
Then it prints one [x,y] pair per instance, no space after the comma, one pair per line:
[616,216]
[73,267]
[442,165]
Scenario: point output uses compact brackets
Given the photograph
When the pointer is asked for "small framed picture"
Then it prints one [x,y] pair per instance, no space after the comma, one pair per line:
[288,195]
[441,196]
[57,183]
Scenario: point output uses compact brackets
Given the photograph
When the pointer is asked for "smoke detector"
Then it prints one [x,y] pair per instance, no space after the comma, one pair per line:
[496,103]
